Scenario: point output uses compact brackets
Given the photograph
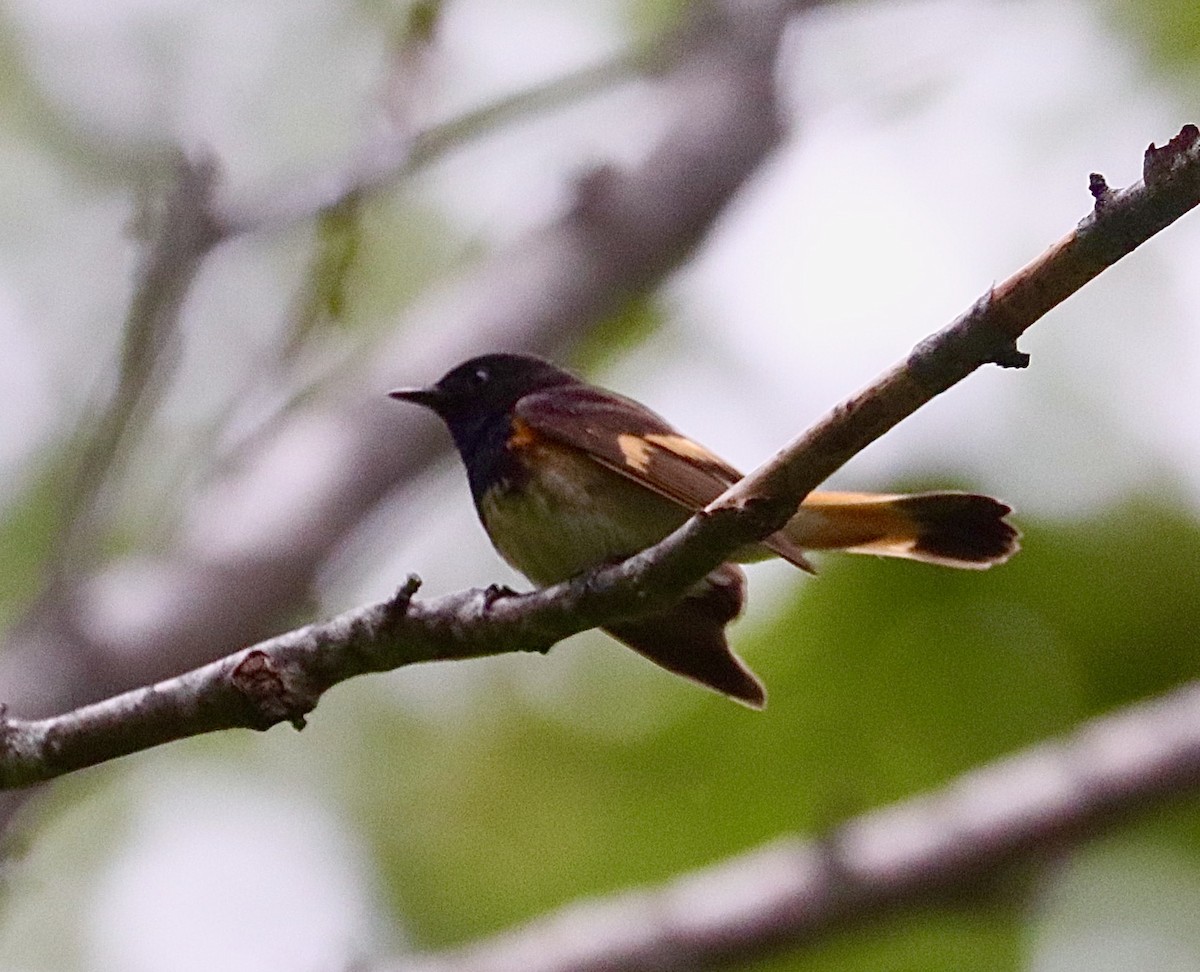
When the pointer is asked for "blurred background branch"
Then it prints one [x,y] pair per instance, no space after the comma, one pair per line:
[626,229]
[182,235]
[980,833]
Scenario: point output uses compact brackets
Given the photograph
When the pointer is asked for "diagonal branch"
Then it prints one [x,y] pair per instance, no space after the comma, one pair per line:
[987,333]
[935,847]
[281,679]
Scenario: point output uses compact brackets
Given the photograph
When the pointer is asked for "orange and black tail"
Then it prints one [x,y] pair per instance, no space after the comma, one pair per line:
[951,529]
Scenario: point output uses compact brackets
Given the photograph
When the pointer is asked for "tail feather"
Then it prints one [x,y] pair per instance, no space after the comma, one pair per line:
[952,529]
[689,638]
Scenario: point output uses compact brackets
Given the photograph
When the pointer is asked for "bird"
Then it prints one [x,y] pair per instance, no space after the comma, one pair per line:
[567,476]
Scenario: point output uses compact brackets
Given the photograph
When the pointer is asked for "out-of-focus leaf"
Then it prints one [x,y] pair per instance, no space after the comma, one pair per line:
[423,17]
[49,875]
[403,246]
[1120,591]
[1169,29]
[967,939]
[637,321]
[339,240]
[28,528]
[372,258]
[650,19]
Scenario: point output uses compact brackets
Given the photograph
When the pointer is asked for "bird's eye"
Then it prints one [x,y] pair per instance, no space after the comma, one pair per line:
[480,377]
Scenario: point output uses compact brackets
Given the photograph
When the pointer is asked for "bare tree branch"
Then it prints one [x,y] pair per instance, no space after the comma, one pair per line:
[945,845]
[291,671]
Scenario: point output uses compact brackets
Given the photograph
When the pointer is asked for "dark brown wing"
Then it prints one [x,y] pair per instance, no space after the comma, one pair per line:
[630,439]
[689,638]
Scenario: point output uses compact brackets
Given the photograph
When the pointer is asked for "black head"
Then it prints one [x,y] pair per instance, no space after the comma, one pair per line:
[484,387]
[476,400]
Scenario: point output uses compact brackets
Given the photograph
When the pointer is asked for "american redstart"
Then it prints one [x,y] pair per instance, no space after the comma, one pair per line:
[567,476]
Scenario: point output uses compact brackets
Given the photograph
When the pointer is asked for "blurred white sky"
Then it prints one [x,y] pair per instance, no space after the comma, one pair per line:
[936,147]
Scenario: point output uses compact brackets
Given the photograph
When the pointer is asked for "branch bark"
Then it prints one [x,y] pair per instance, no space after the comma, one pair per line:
[282,679]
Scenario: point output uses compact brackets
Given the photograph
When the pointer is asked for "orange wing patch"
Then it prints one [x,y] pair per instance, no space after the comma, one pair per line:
[639,451]
[687,449]
[635,450]
[522,436]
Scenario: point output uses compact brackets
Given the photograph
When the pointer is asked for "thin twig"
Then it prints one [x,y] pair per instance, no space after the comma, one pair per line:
[185,233]
[395,155]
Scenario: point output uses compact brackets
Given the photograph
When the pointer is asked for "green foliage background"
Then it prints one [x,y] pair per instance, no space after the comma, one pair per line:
[519,791]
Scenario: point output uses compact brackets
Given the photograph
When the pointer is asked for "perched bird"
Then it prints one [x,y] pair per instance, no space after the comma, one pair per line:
[567,476]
